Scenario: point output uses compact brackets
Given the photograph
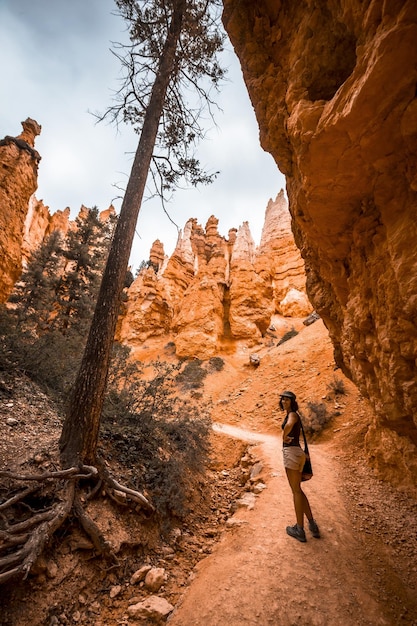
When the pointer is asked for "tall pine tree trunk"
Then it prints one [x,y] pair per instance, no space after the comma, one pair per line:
[78,442]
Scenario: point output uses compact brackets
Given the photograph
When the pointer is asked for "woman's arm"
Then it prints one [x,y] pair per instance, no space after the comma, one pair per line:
[292,419]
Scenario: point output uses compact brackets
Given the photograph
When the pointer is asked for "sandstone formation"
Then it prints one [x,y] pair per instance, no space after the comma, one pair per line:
[281,261]
[19,178]
[25,221]
[213,291]
[333,85]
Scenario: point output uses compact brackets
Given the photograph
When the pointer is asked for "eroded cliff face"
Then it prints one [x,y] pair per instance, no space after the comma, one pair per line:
[26,222]
[214,291]
[333,85]
[18,181]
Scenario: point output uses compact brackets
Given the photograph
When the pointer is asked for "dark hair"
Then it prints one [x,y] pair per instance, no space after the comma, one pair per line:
[291,396]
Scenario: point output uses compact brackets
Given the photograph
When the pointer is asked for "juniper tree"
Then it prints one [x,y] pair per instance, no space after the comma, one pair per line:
[173,53]
[85,253]
[45,327]
[34,294]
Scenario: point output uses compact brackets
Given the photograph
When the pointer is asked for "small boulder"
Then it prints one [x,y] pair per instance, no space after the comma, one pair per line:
[153,608]
[140,574]
[155,578]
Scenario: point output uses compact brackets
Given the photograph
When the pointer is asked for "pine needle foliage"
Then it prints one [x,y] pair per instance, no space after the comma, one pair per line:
[195,77]
[43,326]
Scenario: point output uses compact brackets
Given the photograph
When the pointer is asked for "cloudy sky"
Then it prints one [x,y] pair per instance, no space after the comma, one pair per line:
[57,68]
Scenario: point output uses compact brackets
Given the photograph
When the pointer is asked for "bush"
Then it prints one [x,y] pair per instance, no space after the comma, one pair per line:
[288,335]
[164,441]
[51,360]
[170,348]
[337,386]
[192,376]
[318,418]
[216,364]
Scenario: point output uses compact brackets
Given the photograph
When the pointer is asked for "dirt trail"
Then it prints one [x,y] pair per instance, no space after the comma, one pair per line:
[258,575]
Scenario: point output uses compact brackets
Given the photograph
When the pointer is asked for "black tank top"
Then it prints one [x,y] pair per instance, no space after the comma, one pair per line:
[294,432]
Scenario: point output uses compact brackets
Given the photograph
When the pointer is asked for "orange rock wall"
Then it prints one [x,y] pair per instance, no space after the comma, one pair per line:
[214,291]
[333,85]
[25,221]
[18,181]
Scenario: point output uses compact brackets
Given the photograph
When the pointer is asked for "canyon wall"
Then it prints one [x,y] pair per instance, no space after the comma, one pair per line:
[18,181]
[25,222]
[333,85]
[214,291]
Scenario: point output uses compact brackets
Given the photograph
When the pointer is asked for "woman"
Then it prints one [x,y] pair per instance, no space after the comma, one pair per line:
[294,458]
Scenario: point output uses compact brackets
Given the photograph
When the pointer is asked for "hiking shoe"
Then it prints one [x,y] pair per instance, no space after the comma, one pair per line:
[314,529]
[297,532]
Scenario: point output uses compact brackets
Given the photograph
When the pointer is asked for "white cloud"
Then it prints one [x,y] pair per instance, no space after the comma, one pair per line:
[57,67]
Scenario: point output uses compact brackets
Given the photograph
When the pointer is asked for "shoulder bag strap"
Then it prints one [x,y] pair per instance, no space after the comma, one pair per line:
[304,435]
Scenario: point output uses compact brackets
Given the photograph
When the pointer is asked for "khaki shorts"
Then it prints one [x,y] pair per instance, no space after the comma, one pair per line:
[294,458]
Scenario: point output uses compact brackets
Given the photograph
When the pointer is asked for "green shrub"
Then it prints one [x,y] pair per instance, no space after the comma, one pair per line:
[51,360]
[164,440]
[216,364]
[337,386]
[192,376]
[170,348]
[288,335]
[318,418]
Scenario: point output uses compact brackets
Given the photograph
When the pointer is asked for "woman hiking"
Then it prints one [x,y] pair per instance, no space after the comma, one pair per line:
[294,459]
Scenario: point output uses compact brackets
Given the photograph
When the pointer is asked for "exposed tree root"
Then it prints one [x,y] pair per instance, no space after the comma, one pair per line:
[31,514]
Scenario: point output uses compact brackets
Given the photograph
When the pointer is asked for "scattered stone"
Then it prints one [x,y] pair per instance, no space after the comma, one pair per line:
[255,471]
[246,501]
[233,522]
[115,591]
[155,578]
[313,317]
[51,569]
[12,421]
[258,488]
[140,574]
[153,608]
[245,461]
[95,607]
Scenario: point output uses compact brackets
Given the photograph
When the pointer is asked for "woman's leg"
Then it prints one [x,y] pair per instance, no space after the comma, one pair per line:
[301,503]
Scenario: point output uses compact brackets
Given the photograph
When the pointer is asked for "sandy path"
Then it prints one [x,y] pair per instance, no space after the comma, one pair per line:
[259,575]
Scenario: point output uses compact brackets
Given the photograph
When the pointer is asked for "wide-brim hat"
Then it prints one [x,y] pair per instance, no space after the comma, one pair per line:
[288,394]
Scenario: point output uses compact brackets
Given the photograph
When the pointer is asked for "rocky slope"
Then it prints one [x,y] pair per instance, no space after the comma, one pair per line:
[333,83]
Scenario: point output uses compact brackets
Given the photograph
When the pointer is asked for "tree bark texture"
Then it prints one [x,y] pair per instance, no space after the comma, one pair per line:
[79,437]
